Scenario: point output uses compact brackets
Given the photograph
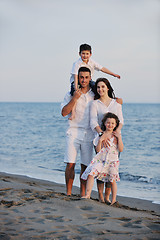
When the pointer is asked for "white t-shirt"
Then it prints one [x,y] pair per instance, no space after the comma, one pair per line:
[92,65]
[80,125]
[98,109]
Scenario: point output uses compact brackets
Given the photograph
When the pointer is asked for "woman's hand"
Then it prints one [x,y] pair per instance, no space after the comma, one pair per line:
[105,140]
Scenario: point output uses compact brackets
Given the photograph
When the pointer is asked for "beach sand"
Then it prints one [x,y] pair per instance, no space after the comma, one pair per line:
[38,209]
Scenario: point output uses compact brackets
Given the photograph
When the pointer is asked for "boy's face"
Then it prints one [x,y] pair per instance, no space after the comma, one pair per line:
[85,55]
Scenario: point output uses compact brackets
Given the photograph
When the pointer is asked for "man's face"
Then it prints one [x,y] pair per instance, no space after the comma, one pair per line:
[84,79]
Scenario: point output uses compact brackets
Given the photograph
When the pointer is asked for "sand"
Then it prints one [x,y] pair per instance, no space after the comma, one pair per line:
[37,209]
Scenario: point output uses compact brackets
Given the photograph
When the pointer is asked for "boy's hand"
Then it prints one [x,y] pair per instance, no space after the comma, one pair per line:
[116,75]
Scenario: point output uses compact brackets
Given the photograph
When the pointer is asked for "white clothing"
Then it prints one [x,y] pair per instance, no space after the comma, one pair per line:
[98,109]
[74,145]
[80,125]
[79,130]
[104,166]
[92,65]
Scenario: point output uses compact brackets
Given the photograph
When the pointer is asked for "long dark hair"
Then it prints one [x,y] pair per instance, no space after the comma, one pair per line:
[110,91]
[109,115]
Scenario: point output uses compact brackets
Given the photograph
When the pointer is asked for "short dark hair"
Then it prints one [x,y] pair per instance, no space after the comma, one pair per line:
[109,115]
[84,69]
[85,47]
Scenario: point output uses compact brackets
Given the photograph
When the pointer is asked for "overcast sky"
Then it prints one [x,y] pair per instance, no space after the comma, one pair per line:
[39,41]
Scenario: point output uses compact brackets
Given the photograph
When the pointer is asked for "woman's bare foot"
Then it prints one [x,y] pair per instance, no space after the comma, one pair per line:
[101,199]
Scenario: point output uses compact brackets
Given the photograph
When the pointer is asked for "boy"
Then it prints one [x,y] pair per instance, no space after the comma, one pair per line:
[85,52]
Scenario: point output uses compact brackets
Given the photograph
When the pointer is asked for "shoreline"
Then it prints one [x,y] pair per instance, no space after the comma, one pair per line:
[76,184]
[38,209]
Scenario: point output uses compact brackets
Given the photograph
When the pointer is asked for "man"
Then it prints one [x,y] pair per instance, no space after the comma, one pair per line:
[79,134]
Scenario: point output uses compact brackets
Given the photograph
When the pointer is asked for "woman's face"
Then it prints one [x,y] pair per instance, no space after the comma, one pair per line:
[102,89]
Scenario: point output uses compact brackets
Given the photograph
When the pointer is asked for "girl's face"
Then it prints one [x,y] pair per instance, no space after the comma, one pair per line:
[102,89]
[110,124]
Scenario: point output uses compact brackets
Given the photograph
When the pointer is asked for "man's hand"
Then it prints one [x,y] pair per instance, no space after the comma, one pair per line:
[77,94]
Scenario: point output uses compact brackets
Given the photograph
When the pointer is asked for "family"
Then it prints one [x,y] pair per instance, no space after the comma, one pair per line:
[95,120]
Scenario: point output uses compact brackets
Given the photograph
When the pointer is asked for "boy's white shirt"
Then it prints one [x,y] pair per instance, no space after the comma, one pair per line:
[92,65]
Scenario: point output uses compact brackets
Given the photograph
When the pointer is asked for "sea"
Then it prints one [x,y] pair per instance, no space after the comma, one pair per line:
[32,143]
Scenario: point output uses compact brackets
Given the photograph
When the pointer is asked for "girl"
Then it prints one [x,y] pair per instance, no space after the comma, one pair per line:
[104,165]
[105,101]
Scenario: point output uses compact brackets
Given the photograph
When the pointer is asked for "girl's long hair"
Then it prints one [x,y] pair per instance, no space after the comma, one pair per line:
[109,115]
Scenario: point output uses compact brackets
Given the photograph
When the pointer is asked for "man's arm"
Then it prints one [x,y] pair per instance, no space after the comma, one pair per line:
[68,107]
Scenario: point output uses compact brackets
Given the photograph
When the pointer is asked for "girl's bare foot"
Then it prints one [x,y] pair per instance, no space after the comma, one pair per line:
[86,197]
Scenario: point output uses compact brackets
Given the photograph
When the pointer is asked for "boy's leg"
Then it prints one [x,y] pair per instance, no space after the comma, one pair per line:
[73,109]
[72,89]
[100,187]
[114,191]
[92,85]
[69,177]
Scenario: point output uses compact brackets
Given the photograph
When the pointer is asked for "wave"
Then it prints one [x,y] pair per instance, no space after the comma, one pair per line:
[138,178]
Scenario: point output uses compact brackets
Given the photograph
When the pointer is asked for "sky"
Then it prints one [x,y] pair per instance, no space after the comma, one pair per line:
[40,39]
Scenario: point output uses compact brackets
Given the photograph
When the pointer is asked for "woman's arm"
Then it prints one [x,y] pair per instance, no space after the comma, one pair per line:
[99,145]
[120,142]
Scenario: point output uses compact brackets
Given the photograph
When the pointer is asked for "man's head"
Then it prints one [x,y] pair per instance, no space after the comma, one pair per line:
[85,52]
[84,77]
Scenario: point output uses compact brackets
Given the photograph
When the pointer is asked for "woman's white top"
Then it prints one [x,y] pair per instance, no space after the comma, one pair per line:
[98,109]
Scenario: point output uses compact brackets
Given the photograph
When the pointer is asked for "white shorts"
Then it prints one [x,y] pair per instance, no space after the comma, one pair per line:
[73,146]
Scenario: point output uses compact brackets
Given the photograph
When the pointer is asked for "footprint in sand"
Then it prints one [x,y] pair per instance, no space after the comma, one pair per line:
[130,223]
[154,227]
[86,208]
[98,216]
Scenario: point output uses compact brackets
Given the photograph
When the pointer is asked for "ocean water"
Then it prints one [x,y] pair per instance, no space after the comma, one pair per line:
[32,143]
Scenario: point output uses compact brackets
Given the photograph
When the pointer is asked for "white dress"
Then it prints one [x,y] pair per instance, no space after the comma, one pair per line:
[98,109]
[105,165]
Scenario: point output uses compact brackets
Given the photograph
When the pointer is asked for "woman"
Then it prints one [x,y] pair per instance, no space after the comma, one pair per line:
[105,101]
